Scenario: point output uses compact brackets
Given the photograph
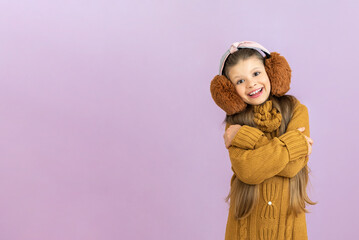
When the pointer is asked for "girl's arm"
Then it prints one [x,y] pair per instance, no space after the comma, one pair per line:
[300,119]
[254,158]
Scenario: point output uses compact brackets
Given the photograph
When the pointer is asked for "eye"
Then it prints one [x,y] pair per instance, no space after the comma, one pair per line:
[257,74]
[239,81]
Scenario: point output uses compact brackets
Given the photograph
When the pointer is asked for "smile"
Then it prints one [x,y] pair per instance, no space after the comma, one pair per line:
[255,92]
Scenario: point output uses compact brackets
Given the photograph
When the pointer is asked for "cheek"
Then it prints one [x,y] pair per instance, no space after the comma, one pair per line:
[268,84]
[240,91]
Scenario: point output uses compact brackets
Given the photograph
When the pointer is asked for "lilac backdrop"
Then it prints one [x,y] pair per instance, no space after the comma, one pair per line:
[108,129]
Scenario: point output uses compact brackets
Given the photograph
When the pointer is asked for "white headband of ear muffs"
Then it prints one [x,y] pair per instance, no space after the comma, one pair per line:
[244,44]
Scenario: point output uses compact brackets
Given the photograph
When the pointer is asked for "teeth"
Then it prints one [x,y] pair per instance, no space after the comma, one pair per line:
[255,92]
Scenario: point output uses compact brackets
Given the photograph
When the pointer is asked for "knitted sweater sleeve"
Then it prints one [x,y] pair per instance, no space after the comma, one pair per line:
[255,158]
[300,119]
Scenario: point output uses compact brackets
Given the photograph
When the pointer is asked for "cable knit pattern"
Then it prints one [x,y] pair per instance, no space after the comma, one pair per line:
[270,195]
[259,156]
[267,234]
[243,228]
[267,118]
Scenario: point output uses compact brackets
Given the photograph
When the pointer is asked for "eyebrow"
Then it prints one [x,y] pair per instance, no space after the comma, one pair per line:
[251,71]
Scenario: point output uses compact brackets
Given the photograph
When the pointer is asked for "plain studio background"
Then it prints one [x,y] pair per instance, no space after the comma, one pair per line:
[108,129]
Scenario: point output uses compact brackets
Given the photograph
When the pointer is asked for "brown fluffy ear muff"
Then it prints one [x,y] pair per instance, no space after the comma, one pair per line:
[225,95]
[279,74]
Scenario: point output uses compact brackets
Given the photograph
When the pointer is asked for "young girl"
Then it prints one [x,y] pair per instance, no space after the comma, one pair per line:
[268,140]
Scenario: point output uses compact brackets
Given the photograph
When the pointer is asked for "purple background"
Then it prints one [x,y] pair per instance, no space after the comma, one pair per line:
[108,129]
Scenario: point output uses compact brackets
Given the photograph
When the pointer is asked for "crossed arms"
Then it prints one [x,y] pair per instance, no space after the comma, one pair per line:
[255,158]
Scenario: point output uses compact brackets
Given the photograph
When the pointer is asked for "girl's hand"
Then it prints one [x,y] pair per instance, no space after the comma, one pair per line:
[309,141]
[230,134]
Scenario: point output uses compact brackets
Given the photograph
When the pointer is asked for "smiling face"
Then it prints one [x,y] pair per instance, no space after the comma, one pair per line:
[249,76]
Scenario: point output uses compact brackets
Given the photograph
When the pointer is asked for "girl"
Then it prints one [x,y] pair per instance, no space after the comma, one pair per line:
[268,140]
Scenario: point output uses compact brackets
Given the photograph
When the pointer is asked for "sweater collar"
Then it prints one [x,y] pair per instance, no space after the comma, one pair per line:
[267,117]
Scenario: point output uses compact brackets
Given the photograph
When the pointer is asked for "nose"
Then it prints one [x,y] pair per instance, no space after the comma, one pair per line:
[251,83]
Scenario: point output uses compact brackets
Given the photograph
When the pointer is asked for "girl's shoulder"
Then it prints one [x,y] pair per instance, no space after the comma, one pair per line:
[296,103]
[299,107]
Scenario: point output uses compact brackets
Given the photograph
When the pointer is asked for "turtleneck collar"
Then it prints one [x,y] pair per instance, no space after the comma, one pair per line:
[267,117]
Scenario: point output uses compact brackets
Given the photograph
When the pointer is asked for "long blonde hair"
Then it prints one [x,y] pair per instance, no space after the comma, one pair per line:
[245,196]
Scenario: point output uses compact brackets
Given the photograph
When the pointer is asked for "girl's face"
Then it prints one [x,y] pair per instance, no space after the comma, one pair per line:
[249,76]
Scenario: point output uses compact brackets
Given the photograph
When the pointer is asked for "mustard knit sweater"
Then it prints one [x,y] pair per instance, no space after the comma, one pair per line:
[258,156]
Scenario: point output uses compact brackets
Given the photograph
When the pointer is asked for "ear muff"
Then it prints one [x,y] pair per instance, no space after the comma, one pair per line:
[279,73]
[226,97]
